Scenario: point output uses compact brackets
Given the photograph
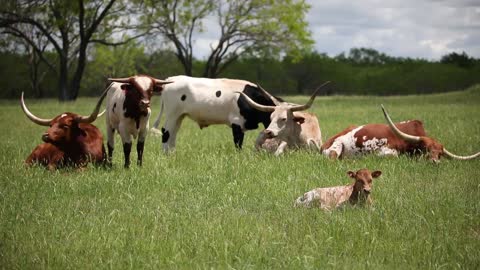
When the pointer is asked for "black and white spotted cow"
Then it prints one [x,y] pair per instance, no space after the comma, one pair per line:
[128,111]
[210,102]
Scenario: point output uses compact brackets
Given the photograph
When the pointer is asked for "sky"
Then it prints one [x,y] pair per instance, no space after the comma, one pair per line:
[402,28]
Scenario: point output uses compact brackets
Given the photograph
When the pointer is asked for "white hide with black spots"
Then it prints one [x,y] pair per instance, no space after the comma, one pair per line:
[205,101]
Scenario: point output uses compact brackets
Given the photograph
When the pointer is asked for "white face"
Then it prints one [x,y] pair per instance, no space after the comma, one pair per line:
[281,121]
[144,82]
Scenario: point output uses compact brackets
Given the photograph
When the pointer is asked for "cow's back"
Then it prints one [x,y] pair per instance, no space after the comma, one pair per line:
[310,128]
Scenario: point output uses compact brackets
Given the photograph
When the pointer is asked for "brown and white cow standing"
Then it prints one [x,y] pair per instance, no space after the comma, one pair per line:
[128,112]
[332,197]
[422,143]
[287,127]
[71,139]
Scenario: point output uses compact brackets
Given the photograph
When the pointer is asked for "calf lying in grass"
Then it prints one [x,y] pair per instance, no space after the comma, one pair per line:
[333,197]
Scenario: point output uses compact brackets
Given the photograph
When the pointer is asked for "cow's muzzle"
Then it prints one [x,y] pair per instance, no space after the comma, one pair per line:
[46,138]
[269,134]
[144,105]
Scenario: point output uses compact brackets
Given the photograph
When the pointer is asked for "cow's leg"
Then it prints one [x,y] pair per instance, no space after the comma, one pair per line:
[140,145]
[127,144]
[237,136]
[335,151]
[110,143]
[281,148]
[127,148]
[260,140]
[169,133]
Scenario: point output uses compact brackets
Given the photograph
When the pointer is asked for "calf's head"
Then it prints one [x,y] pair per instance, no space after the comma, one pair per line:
[434,149]
[363,181]
[63,128]
[139,90]
[282,117]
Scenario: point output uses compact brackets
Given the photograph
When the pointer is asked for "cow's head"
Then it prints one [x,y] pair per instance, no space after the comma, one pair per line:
[435,150]
[63,128]
[363,181]
[283,118]
[139,90]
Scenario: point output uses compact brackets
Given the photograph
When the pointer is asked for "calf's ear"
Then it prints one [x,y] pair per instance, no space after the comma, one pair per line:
[351,174]
[299,119]
[376,174]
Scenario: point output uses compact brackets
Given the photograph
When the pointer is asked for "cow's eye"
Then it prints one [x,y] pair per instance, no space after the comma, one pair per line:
[283,119]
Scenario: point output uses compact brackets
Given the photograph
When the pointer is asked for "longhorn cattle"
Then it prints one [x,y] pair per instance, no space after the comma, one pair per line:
[386,140]
[372,138]
[71,139]
[210,102]
[128,112]
[290,128]
[332,197]
[423,144]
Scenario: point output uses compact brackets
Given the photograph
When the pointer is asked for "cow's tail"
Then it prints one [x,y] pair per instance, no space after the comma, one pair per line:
[155,129]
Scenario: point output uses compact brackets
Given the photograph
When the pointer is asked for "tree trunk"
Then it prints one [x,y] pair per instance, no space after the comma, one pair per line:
[63,79]
[77,77]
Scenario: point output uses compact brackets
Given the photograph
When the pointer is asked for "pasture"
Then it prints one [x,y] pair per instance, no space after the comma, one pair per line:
[210,206]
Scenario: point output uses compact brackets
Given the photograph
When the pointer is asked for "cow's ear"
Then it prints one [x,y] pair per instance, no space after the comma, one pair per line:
[376,174]
[299,119]
[351,174]
[157,88]
[126,86]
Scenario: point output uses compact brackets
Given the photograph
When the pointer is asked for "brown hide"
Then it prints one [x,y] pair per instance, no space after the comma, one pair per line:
[69,143]
[380,131]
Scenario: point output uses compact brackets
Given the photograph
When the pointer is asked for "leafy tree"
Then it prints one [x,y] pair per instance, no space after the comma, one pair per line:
[255,27]
[365,56]
[69,27]
[461,60]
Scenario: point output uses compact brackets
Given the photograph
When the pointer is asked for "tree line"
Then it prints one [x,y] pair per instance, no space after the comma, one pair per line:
[66,49]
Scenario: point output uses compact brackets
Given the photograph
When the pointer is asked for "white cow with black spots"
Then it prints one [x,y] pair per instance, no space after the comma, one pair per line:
[210,102]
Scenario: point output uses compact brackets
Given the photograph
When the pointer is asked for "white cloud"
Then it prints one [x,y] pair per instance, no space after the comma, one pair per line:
[421,28]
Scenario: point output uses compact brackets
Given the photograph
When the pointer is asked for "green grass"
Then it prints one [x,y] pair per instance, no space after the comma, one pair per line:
[210,206]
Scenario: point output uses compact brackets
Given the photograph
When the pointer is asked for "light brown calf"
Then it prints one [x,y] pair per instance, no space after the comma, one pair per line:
[332,197]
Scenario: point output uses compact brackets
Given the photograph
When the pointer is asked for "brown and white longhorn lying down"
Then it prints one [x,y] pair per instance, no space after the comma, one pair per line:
[306,129]
[372,138]
[128,111]
[423,143]
[71,139]
[286,127]
[332,197]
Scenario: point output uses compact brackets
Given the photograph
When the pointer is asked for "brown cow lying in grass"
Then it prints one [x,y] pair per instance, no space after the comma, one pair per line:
[332,197]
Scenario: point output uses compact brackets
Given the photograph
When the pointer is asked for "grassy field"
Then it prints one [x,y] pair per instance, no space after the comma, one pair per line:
[210,206]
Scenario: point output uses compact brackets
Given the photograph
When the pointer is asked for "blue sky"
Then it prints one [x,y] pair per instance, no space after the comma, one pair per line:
[403,28]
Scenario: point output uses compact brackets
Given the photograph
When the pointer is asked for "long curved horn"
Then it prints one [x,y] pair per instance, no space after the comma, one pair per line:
[162,82]
[32,117]
[397,131]
[263,108]
[120,80]
[274,99]
[94,115]
[100,114]
[310,102]
[460,157]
